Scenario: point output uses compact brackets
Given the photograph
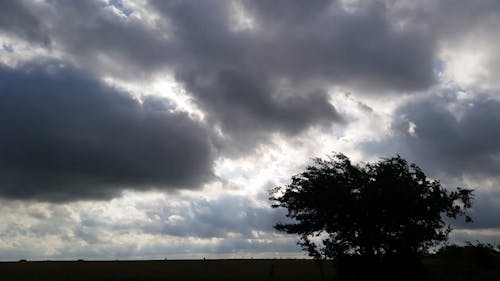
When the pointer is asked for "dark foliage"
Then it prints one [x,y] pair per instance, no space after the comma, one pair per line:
[376,210]
[483,255]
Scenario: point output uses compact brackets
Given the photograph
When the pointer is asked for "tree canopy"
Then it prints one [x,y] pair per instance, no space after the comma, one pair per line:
[373,209]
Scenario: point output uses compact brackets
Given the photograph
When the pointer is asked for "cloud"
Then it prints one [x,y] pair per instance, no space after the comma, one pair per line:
[221,217]
[360,47]
[451,132]
[484,212]
[169,37]
[107,43]
[271,77]
[246,111]
[151,225]
[18,19]
[225,216]
[67,136]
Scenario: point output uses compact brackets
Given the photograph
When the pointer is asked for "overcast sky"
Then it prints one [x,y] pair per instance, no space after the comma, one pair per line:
[155,129]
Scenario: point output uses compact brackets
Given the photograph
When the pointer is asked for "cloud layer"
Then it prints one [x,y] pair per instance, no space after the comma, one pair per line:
[97,98]
[66,136]
[451,132]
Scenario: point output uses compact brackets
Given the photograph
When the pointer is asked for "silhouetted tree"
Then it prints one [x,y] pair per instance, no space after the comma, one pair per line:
[378,210]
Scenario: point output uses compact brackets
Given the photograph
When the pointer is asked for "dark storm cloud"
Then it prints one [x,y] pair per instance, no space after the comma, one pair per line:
[250,83]
[67,136]
[452,19]
[362,47]
[18,19]
[218,67]
[485,210]
[234,75]
[450,135]
[303,40]
[245,109]
[107,44]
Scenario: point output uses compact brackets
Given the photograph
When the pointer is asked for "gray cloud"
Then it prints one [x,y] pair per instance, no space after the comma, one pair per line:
[484,212]
[234,75]
[252,83]
[217,218]
[183,226]
[192,217]
[107,43]
[362,47]
[246,110]
[453,19]
[303,41]
[68,136]
[195,41]
[450,135]
[18,19]
[226,248]
[220,67]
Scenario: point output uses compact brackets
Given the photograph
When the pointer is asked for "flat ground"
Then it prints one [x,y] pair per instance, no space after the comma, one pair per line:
[442,269]
[185,270]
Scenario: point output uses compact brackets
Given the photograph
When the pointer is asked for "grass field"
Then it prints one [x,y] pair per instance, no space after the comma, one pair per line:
[185,270]
[215,270]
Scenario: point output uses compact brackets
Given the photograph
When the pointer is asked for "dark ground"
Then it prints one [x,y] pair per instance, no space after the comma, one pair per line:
[437,268]
[185,270]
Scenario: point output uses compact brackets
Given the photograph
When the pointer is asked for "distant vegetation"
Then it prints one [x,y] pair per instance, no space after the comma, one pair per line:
[471,262]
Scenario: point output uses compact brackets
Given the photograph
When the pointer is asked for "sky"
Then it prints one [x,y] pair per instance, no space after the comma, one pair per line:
[148,129]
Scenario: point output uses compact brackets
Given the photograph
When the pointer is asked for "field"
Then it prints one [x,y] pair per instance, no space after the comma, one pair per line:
[185,270]
[222,270]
